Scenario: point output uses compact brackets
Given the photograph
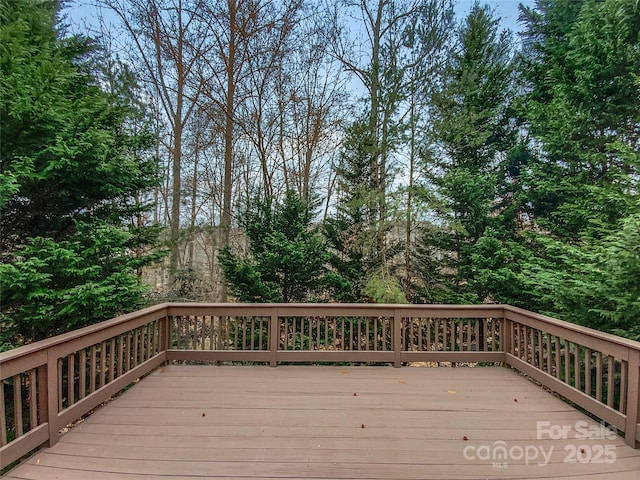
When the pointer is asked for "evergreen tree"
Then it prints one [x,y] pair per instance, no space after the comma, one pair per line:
[74,170]
[472,129]
[583,106]
[286,259]
[350,232]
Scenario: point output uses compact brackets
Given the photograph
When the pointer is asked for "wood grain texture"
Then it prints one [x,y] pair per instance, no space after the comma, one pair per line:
[196,422]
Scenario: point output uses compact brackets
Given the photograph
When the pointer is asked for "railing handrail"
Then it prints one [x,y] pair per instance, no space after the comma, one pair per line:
[572,327]
[79,333]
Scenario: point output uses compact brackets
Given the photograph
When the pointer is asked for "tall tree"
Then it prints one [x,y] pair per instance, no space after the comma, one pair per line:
[401,39]
[75,168]
[583,106]
[472,130]
[168,44]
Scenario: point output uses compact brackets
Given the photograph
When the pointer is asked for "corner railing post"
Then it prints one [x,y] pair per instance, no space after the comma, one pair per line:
[633,399]
[396,339]
[274,340]
[53,390]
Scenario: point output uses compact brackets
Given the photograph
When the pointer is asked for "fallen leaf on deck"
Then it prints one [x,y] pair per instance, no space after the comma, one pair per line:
[402,381]
[451,391]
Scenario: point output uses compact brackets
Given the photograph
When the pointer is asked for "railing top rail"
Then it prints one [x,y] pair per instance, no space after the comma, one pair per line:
[336,308]
[79,333]
[515,313]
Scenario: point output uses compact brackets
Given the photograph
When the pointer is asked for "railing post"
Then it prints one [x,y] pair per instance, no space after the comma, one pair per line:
[165,335]
[274,340]
[396,339]
[633,399]
[43,393]
[53,391]
[506,337]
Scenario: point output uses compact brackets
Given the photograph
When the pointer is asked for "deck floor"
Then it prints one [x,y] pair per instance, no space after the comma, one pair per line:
[198,422]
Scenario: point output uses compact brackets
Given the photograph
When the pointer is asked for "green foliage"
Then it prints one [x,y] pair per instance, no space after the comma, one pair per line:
[384,290]
[595,285]
[351,232]
[471,127]
[584,106]
[580,261]
[287,259]
[74,168]
[59,286]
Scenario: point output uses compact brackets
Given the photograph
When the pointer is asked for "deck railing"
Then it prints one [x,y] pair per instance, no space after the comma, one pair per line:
[52,383]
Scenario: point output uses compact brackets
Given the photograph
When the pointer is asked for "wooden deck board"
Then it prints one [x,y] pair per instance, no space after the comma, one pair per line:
[305,422]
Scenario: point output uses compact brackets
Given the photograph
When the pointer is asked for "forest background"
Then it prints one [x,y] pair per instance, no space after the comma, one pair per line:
[301,150]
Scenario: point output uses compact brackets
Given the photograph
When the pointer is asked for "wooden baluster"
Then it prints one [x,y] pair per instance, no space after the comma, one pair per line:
[82,380]
[599,376]
[567,362]
[33,399]
[71,379]
[112,359]
[452,337]
[3,417]
[624,375]
[540,351]
[610,381]
[17,404]
[92,369]
[367,334]
[587,371]
[557,356]
[120,357]
[59,392]
[127,351]
[103,363]
[244,333]
[444,334]
[576,367]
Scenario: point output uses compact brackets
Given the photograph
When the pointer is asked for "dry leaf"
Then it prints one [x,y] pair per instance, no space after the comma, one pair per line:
[465,438]
[402,381]
[451,391]
[362,426]
[355,394]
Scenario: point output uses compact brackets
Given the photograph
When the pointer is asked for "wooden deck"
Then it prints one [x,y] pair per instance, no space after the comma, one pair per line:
[201,422]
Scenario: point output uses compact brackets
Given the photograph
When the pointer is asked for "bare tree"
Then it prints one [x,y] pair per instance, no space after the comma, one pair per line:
[167,43]
[385,60]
